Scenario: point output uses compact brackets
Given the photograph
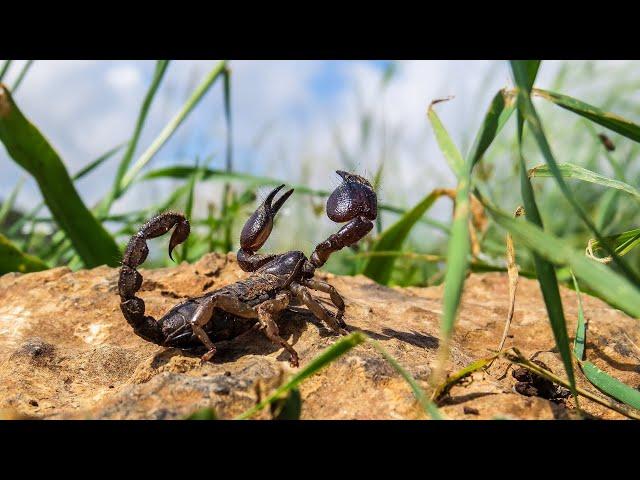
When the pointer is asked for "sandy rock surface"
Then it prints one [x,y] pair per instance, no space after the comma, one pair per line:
[67,352]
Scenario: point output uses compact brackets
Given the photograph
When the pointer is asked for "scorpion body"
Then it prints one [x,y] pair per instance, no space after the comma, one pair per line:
[277,282]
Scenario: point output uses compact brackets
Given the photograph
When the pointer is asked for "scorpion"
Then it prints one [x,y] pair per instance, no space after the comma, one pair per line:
[277,281]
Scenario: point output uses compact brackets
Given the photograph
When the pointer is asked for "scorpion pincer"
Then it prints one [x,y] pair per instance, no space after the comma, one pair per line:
[277,281]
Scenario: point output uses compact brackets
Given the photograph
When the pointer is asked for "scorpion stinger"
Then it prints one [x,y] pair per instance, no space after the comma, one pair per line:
[257,229]
[355,202]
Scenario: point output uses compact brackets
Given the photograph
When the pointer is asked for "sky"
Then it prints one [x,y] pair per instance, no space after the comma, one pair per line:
[291,120]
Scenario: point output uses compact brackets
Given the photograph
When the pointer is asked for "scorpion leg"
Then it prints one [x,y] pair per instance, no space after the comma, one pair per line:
[355,202]
[316,308]
[267,313]
[204,312]
[256,231]
[325,287]
[200,318]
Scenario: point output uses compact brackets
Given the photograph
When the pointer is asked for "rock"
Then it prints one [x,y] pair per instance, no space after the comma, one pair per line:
[67,352]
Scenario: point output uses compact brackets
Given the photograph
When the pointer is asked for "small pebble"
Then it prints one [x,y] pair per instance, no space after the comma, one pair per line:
[471,411]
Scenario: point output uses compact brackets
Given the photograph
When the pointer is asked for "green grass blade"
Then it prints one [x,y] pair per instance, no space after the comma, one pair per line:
[29,148]
[569,170]
[8,203]
[581,330]
[161,68]
[379,268]
[500,110]
[173,125]
[611,386]
[5,69]
[188,211]
[21,76]
[289,407]
[607,119]
[599,379]
[226,191]
[83,172]
[528,111]
[604,282]
[14,260]
[450,151]
[427,405]
[183,172]
[459,247]
[524,73]
[330,354]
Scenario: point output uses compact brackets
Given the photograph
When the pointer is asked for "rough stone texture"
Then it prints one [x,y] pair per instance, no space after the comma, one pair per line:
[66,351]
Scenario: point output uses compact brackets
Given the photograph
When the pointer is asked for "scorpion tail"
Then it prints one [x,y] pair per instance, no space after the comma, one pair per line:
[130,280]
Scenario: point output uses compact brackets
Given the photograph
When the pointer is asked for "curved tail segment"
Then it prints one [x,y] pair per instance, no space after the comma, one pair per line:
[130,279]
[355,202]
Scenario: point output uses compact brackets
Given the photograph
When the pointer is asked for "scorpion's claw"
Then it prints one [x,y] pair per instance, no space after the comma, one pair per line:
[179,235]
[355,202]
[354,197]
[258,228]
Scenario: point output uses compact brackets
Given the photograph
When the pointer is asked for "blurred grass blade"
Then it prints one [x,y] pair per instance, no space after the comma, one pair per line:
[226,191]
[599,379]
[21,76]
[158,75]
[184,172]
[500,110]
[91,166]
[7,204]
[606,119]
[581,330]
[188,211]
[459,246]
[569,170]
[173,125]
[336,350]
[528,111]
[447,147]
[379,268]
[289,407]
[607,284]
[13,260]
[427,405]
[5,69]
[28,147]
[29,217]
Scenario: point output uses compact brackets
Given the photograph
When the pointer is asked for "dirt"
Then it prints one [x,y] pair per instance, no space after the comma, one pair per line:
[67,352]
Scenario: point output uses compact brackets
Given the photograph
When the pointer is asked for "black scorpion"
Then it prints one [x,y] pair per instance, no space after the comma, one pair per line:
[278,281]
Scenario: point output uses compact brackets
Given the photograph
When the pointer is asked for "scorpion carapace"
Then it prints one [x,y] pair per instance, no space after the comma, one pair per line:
[277,282]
